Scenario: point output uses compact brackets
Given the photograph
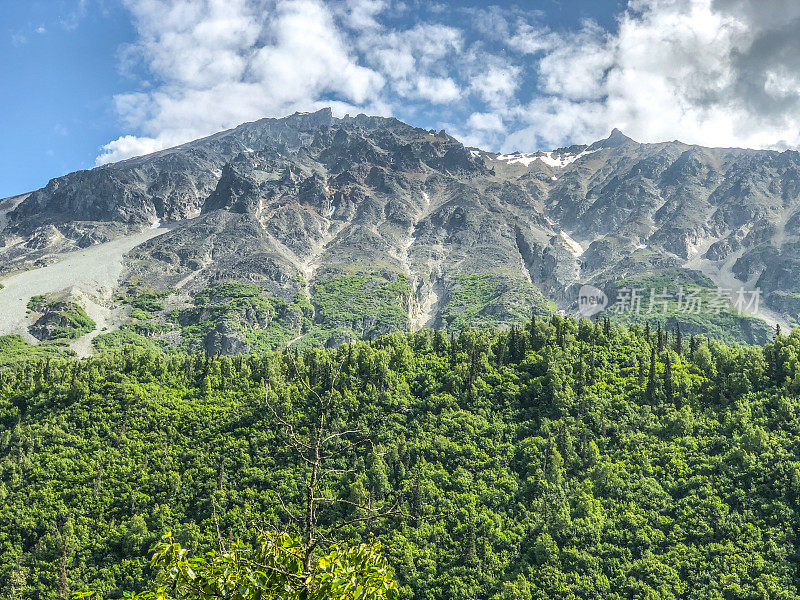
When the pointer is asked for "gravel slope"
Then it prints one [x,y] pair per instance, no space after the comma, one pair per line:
[91,274]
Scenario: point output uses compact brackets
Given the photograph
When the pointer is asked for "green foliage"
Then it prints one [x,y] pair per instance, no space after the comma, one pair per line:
[121,338]
[139,314]
[366,304]
[272,569]
[148,300]
[14,349]
[37,302]
[484,301]
[725,325]
[61,319]
[265,322]
[546,461]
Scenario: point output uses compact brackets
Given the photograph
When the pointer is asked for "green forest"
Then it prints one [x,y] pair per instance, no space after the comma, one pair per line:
[556,459]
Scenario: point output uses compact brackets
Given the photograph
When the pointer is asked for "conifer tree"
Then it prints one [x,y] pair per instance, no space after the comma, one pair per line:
[651,377]
[669,386]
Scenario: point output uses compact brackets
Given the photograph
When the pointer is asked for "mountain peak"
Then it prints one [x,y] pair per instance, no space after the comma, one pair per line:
[323,116]
[617,138]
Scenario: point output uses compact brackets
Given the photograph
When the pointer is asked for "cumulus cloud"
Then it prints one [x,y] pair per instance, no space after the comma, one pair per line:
[713,72]
[128,146]
[218,63]
[719,73]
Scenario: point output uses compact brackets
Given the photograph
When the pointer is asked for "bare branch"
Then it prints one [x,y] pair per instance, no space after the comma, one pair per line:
[286,510]
[298,443]
[252,563]
[339,435]
[216,524]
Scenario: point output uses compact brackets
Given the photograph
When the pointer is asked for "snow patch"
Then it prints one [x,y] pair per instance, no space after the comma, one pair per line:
[427,198]
[551,159]
[641,246]
[155,224]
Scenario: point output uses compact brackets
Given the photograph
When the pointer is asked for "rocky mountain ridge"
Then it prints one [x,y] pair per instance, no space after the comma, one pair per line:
[364,225]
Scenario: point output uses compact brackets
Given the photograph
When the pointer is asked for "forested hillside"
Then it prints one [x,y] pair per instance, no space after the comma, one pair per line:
[561,459]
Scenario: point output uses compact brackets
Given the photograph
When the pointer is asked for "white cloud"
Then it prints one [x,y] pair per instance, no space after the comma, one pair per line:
[218,63]
[714,72]
[673,70]
[417,62]
[363,14]
[128,146]
[486,122]
[309,57]
[530,39]
[496,84]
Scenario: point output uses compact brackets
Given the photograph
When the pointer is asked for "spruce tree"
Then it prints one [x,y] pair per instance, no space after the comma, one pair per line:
[651,377]
[669,386]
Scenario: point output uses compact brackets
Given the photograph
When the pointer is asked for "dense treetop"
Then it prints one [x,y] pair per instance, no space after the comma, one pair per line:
[561,459]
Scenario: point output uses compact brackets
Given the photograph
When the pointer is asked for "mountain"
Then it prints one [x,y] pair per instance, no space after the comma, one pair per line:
[315,229]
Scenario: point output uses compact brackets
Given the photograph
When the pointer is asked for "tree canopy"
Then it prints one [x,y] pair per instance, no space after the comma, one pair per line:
[559,459]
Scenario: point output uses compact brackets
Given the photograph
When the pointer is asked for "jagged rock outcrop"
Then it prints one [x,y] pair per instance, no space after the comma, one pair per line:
[286,204]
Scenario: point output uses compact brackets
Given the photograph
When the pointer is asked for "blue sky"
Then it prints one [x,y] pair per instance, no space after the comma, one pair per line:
[86,82]
[59,72]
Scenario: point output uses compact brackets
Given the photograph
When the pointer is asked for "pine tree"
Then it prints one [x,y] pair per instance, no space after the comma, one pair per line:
[581,374]
[651,377]
[641,371]
[669,386]
[678,339]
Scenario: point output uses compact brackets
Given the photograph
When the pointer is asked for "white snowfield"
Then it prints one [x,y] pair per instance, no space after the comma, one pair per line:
[90,274]
[551,159]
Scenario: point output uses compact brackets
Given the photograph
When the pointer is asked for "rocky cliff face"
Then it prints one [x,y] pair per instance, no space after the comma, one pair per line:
[379,225]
